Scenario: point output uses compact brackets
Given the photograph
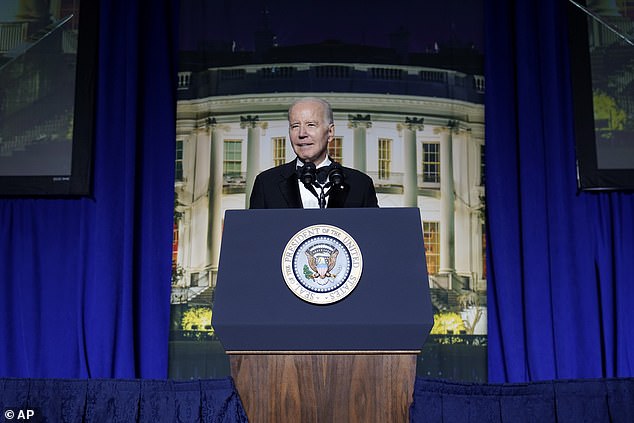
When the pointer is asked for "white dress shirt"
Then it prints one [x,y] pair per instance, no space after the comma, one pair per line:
[308,199]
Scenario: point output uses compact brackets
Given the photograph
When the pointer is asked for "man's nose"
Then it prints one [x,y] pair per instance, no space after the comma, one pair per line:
[302,131]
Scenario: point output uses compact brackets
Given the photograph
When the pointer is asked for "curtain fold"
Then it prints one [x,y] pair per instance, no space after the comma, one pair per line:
[122,400]
[556,257]
[562,401]
[86,282]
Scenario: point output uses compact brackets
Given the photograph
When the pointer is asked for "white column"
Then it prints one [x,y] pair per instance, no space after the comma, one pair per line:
[447,198]
[215,195]
[359,125]
[410,161]
[253,126]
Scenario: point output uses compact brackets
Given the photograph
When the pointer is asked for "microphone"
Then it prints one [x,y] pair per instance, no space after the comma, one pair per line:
[335,175]
[308,173]
[312,177]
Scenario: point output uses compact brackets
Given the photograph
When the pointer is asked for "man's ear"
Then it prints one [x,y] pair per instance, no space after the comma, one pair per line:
[331,132]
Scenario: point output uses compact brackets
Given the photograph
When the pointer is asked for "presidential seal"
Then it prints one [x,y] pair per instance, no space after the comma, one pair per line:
[322,264]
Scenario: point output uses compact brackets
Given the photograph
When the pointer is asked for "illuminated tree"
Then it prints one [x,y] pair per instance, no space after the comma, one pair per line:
[607,115]
[198,319]
[445,323]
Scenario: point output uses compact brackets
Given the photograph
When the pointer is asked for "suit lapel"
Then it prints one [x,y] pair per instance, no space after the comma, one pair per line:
[338,196]
[289,187]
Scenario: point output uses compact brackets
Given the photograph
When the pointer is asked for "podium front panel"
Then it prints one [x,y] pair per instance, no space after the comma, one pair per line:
[388,310]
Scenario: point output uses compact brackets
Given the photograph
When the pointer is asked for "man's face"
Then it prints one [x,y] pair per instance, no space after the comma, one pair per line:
[309,131]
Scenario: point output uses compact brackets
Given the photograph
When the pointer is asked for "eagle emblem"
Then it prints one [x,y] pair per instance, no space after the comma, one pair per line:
[321,264]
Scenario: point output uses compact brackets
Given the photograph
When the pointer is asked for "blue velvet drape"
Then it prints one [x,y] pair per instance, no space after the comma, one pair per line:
[121,400]
[561,401]
[561,263]
[86,282]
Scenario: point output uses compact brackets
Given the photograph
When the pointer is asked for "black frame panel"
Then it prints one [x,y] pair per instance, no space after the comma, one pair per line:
[77,180]
[590,176]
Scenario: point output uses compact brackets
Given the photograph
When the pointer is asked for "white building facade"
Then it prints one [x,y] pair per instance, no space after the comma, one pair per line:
[422,143]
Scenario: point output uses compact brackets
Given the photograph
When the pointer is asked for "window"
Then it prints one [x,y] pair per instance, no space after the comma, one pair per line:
[335,151]
[385,158]
[179,161]
[174,244]
[232,160]
[431,162]
[193,279]
[431,236]
[279,151]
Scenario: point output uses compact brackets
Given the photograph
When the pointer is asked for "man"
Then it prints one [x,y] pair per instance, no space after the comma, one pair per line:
[311,129]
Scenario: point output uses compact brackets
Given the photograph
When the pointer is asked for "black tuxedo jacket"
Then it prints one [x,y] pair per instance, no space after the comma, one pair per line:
[278,188]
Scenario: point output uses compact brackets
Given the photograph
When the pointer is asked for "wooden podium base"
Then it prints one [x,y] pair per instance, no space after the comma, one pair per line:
[325,387]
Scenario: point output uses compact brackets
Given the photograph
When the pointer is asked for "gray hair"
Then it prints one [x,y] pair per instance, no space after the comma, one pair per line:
[328,116]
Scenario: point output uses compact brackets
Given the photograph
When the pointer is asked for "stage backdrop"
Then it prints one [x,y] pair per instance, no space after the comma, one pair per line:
[407,88]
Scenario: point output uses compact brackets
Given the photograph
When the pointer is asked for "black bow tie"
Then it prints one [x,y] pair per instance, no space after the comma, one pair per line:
[322,174]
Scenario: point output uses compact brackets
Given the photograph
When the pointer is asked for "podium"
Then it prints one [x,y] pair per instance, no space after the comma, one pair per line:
[311,353]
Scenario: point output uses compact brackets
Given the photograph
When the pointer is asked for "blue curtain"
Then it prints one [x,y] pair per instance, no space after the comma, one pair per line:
[86,282]
[562,401]
[561,268]
[121,400]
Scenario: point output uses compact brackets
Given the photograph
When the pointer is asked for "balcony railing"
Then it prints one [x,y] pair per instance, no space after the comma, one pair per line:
[12,34]
[184,80]
[392,183]
[234,184]
[331,77]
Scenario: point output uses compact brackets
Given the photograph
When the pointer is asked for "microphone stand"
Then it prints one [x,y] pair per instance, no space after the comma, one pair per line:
[321,198]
